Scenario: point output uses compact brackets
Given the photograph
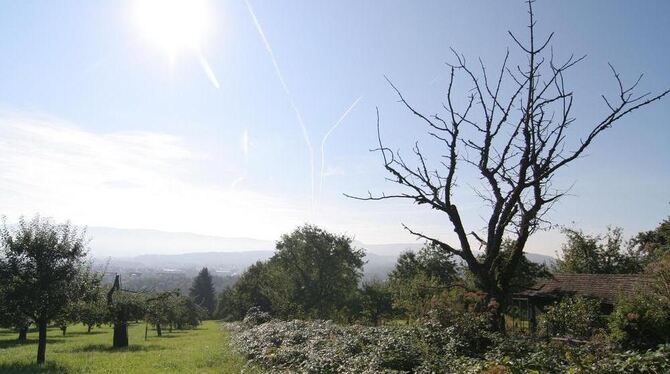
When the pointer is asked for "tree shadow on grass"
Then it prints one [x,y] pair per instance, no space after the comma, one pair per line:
[20,368]
[84,333]
[4,344]
[109,349]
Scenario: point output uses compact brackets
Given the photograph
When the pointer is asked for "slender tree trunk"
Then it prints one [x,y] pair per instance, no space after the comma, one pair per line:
[63,329]
[120,334]
[23,334]
[89,328]
[170,328]
[158,330]
[42,342]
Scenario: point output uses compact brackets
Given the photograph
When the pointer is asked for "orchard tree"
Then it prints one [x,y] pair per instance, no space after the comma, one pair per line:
[45,261]
[202,291]
[514,130]
[159,309]
[92,312]
[10,314]
[123,306]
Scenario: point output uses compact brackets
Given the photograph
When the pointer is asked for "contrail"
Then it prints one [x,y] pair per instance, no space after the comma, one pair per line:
[208,69]
[325,138]
[245,151]
[305,135]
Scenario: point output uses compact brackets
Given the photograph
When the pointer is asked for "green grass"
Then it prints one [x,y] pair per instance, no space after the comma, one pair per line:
[202,350]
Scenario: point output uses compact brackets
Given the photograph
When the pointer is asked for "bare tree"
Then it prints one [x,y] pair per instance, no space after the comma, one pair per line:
[513,130]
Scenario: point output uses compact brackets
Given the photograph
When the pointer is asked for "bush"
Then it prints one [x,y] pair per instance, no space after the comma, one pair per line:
[640,322]
[255,316]
[426,347]
[577,317]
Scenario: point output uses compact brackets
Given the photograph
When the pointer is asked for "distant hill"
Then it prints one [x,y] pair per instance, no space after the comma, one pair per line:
[113,242]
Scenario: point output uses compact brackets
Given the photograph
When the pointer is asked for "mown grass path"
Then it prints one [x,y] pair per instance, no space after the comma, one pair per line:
[202,350]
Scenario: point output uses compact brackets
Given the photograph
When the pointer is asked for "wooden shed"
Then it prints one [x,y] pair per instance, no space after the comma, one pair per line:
[606,288]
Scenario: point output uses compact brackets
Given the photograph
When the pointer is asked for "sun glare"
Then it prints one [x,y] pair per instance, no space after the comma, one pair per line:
[173,25]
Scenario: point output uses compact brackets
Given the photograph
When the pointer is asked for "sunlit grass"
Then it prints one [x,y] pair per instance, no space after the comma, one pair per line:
[203,350]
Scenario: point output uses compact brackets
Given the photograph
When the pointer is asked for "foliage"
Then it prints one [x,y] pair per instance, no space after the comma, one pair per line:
[642,320]
[93,312]
[654,244]
[313,274]
[430,261]
[322,269]
[576,317]
[427,347]
[527,272]
[597,254]
[418,277]
[376,301]
[174,310]
[44,262]
[202,291]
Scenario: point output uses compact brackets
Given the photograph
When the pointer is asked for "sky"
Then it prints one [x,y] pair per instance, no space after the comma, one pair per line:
[267,120]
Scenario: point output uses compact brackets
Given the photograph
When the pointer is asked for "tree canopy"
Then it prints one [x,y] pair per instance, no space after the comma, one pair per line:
[45,264]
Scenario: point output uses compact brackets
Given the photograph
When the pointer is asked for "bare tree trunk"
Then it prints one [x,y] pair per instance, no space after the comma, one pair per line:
[120,335]
[89,328]
[159,332]
[23,334]
[42,342]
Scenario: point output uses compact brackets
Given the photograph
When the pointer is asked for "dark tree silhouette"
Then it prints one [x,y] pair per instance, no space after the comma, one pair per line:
[513,130]
[45,261]
[202,291]
[119,314]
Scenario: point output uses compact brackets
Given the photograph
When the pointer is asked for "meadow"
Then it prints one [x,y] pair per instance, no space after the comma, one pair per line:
[201,350]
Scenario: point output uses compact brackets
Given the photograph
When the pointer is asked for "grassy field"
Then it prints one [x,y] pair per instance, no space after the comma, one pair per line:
[203,350]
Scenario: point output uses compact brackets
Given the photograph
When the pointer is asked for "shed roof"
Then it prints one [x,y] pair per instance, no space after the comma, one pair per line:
[606,287]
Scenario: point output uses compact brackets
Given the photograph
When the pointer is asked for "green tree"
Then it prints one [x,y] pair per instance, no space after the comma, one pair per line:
[202,291]
[418,277]
[653,244]
[527,271]
[10,314]
[45,260]
[313,274]
[159,310]
[376,301]
[322,269]
[92,313]
[597,254]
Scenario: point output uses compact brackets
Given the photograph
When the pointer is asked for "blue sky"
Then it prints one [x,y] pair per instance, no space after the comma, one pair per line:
[100,126]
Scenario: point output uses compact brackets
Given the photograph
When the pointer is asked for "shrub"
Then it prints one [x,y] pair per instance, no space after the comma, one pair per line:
[576,317]
[640,322]
[255,316]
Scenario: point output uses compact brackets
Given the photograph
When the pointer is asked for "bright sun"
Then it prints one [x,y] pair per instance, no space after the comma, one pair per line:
[173,25]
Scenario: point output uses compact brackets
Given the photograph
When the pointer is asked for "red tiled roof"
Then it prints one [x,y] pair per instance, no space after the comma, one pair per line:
[607,287]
